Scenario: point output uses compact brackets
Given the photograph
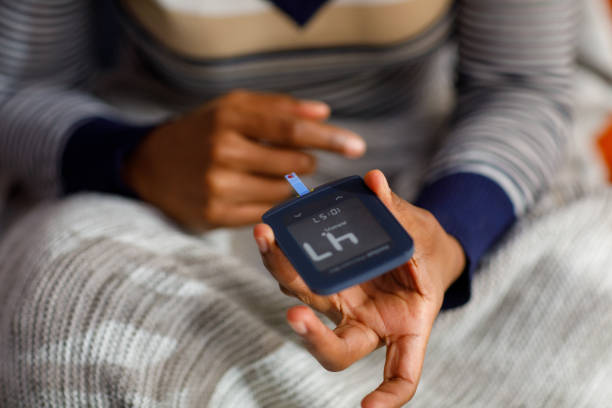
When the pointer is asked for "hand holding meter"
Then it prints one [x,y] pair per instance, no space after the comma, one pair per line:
[338,235]
[350,239]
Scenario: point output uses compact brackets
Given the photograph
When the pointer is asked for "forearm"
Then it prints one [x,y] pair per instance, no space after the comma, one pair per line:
[511,123]
[95,155]
[35,125]
[514,107]
[47,58]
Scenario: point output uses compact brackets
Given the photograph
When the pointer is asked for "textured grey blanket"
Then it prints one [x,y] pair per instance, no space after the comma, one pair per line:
[104,304]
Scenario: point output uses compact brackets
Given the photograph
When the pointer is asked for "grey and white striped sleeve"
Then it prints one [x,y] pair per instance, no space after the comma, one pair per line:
[513,115]
[46,60]
[511,123]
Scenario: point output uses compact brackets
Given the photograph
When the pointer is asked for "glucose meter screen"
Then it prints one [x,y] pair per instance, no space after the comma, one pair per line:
[340,236]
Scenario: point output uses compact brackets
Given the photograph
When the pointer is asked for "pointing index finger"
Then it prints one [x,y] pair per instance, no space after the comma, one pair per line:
[403,366]
[334,349]
[292,131]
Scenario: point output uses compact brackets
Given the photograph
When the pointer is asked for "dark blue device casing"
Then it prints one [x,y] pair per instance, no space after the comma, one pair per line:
[322,282]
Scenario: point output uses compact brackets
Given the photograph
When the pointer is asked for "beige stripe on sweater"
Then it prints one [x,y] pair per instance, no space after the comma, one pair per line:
[212,36]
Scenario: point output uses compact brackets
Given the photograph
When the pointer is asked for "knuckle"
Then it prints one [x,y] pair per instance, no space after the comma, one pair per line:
[217,151]
[291,130]
[212,184]
[412,380]
[219,148]
[286,291]
[221,116]
[304,298]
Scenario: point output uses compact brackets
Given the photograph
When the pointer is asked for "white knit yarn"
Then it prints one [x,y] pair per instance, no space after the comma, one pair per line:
[105,304]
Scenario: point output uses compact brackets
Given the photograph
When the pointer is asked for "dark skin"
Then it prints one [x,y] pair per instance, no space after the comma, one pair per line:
[222,166]
[396,310]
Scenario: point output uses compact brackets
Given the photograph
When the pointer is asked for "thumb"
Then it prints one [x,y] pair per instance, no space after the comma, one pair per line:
[406,213]
[377,182]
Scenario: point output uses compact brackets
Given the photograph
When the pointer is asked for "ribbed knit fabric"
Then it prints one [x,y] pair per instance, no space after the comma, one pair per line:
[103,304]
[94,155]
[474,210]
[124,294]
[511,120]
[515,64]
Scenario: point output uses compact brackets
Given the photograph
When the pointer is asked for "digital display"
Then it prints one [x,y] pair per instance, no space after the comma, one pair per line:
[339,236]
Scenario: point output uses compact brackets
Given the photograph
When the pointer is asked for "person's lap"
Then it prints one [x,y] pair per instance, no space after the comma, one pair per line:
[105,303]
[539,327]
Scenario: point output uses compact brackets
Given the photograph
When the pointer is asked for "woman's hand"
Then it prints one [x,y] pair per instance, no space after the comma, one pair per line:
[222,165]
[397,309]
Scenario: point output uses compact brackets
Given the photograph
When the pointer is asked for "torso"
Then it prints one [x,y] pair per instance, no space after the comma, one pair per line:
[360,56]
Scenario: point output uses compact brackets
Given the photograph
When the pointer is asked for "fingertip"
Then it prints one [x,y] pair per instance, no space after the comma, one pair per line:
[353,145]
[297,317]
[374,401]
[314,109]
[262,230]
[372,175]
[377,399]
[377,182]
[390,393]
[264,237]
[298,313]
[367,402]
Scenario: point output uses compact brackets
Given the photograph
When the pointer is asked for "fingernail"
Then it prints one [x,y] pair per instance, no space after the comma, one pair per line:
[354,146]
[316,107]
[386,182]
[298,327]
[262,243]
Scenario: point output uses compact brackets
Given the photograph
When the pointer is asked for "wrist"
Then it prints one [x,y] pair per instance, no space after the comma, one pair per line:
[133,172]
[95,153]
[139,170]
[474,210]
[456,262]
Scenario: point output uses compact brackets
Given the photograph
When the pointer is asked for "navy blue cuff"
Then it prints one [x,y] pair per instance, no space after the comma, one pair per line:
[476,211]
[94,155]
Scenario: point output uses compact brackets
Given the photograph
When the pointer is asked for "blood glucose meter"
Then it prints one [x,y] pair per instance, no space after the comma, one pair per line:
[338,235]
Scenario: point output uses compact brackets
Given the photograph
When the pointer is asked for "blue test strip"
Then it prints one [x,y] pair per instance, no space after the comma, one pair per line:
[299,187]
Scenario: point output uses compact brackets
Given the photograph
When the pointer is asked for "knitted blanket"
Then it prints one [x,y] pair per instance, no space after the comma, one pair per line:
[103,303]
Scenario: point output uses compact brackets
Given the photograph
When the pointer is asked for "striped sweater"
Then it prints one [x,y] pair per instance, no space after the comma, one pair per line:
[366,58]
